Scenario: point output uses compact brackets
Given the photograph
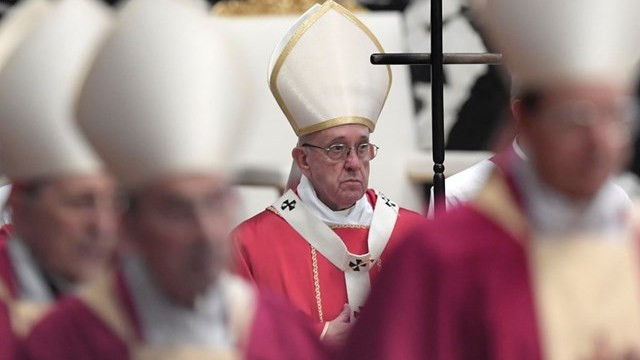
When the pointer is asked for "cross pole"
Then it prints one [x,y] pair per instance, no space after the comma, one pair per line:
[436,59]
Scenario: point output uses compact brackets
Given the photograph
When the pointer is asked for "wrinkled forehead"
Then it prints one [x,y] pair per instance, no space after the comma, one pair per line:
[346,133]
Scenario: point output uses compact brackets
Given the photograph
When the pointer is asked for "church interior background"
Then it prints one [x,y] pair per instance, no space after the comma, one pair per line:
[475,98]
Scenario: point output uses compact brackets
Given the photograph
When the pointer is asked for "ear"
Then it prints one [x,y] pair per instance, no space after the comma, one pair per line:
[19,204]
[23,210]
[301,159]
[516,109]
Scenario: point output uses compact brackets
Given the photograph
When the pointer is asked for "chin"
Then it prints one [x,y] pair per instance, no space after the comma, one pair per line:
[585,190]
[352,196]
[77,276]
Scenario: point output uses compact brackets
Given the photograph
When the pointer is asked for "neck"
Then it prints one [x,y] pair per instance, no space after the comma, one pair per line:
[334,206]
[553,211]
[356,213]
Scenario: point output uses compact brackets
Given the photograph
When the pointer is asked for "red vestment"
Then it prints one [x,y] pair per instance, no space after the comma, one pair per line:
[271,253]
[73,330]
[7,339]
[7,275]
[7,283]
[469,287]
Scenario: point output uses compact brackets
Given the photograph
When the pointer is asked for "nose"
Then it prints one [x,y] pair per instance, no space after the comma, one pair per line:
[104,218]
[352,162]
[210,227]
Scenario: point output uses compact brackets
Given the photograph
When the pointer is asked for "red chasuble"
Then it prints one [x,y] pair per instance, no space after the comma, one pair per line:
[21,314]
[7,276]
[88,327]
[7,340]
[271,253]
[7,290]
[477,285]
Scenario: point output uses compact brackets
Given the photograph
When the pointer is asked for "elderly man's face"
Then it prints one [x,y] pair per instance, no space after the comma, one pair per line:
[579,137]
[338,183]
[180,226]
[69,223]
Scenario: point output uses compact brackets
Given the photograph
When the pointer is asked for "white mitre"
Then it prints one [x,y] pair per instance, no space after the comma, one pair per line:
[16,24]
[160,98]
[550,42]
[38,86]
[321,75]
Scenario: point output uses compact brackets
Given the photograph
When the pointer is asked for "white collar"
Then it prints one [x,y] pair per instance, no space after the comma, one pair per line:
[360,213]
[517,148]
[554,214]
[166,323]
[32,286]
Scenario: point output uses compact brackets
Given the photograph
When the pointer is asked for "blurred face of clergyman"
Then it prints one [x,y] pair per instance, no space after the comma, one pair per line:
[338,183]
[579,137]
[181,227]
[69,223]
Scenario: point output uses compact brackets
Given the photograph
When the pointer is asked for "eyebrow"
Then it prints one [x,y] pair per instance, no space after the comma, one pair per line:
[341,139]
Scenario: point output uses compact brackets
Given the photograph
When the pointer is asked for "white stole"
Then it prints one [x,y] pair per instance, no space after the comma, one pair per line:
[320,236]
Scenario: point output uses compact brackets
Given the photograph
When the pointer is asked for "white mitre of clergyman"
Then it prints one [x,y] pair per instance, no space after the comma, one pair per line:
[320,73]
[162,97]
[18,22]
[547,42]
[38,87]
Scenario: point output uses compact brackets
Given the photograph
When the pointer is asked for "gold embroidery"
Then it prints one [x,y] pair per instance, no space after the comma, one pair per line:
[99,297]
[316,283]
[495,202]
[349,227]
[271,7]
[585,291]
[333,123]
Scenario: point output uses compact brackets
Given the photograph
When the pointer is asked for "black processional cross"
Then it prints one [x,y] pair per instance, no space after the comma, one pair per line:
[436,59]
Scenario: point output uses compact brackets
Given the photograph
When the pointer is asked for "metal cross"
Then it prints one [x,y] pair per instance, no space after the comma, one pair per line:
[436,59]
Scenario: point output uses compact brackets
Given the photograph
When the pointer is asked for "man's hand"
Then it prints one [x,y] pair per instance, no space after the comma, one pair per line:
[338,329]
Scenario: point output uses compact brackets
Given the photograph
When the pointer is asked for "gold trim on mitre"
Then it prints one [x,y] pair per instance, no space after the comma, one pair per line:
[306,25]
[343,120]
[272,7]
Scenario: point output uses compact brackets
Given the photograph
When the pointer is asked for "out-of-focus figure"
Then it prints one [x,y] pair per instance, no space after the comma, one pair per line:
[543,263]
[465,185]
[324,240]
[62,203]
[161,105]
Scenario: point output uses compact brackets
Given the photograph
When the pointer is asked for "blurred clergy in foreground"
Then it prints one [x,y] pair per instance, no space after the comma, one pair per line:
[543,263]
[161,106]
[322,242]
[62,202]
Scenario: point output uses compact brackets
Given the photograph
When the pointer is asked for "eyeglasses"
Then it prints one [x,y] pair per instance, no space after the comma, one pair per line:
[340,152]
[618,121]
